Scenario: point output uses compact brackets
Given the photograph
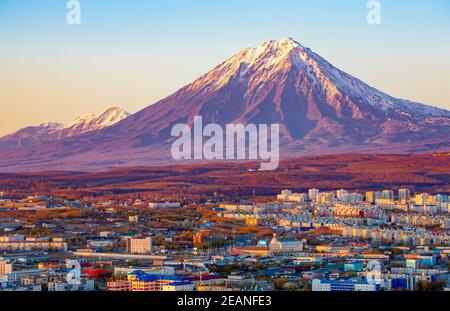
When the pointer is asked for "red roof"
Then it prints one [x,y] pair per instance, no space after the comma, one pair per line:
[95,272]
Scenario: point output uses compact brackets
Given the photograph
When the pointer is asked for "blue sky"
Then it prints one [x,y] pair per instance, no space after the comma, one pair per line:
[132,53]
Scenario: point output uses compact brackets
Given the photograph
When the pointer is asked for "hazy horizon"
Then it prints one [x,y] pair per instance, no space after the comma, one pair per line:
[131,54]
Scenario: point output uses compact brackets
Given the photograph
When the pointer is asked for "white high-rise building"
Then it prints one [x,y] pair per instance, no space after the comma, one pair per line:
[404,194]
[313,194]
[342,195]
[319,285]
[388,195]
[284,196]
[6,267]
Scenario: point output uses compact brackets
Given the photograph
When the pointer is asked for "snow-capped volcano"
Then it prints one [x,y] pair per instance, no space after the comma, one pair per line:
[54,131]
[275,60]
[316,104]
[320,109]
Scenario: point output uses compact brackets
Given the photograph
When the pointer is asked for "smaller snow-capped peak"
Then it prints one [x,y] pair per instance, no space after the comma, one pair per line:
[43,129]
[112,116]
[47,128]
[50,126]
[92,122]
[49,131]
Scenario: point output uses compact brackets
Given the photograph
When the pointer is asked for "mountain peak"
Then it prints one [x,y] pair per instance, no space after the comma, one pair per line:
[54,131]
[275,61]
[114,110]
[286,43]
[276,48]
[91,122]
[266,60]
[50,125]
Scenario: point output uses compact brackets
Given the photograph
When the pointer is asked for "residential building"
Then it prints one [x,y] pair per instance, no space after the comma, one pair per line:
[277,246]
[404,194]
[179,287]
[6,267]
[139,246]
[320,285]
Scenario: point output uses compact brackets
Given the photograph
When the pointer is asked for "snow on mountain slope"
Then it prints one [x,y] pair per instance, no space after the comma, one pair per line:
[45,132]
[256,66]
[93,122]
[29,135]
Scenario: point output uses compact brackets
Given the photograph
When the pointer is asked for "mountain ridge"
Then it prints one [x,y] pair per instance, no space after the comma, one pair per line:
[48,131]
[320,109]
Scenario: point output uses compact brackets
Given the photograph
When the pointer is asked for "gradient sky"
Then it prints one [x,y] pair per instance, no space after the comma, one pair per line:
[131,53]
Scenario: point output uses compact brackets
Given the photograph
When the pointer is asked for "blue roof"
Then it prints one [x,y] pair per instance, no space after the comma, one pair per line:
[137,272]
[145,277]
